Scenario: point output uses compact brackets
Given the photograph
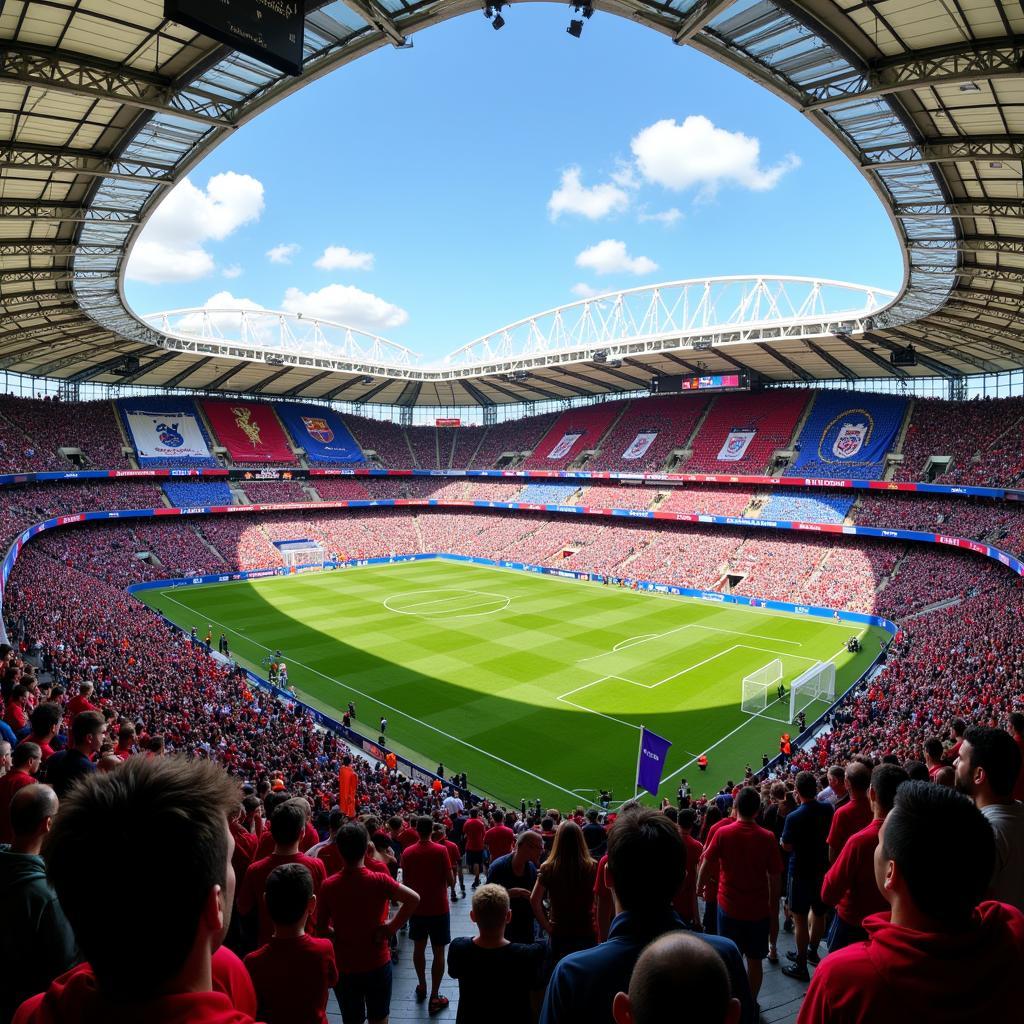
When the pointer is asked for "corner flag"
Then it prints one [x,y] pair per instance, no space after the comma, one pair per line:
[651,761]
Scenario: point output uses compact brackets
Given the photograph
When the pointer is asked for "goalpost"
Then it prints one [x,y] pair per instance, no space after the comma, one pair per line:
[760,689]
[305,554]
[817,683]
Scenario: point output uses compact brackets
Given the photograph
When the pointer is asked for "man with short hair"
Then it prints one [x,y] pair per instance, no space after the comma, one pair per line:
[25,762]
[747,860]
[499,837]
[835,792]
[804,837]
[853,815]
[427,871]
[45,721]
[685,902]
[645,870]
[66,766]
[36,942]
[1017,732]
[933,751]
[353,910]
[516,872]
[850,885]
[939,954]
[473,831]
[986,771]
[184,881]
[678,970]
[82,702]
[594,835]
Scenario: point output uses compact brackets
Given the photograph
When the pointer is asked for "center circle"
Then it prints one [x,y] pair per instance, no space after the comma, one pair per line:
[447,603]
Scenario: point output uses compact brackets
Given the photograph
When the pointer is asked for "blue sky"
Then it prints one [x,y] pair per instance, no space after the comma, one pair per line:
[483,176]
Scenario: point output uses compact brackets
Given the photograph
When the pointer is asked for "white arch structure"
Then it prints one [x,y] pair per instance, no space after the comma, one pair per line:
[692,314]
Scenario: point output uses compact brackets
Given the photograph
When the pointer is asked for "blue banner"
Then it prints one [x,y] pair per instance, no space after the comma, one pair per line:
[320,432]
[651,763]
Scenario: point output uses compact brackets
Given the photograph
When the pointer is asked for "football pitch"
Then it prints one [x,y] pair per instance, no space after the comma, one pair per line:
[535,686]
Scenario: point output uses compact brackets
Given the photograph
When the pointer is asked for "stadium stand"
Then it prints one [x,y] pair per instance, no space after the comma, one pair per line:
[424,442]
[624,496]
[270,491]
[141,419]
[386,440]
[198,493]
[741,431]
[707,500]
[459,445]
[547,494]
[334,488]
[574,432]
[807,506]
[670,419]
[45,425]
[250,431]
[511,438]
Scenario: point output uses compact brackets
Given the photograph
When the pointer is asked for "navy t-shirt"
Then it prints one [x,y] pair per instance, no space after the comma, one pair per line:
[522,926]
[806,829]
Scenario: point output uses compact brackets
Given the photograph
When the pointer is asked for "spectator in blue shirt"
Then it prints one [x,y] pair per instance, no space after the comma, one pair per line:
[805,838]
[645,868]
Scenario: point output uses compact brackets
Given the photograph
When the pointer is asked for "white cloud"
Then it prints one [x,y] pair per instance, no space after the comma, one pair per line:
[611,257]
[338,257]
[282,253]
[695,152]
[667,217]
[346,304]
[572,196]
[625,176]
[232,272]
[585,291]
[171,245]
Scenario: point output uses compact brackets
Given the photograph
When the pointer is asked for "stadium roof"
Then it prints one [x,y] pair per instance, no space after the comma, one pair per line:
[104,105]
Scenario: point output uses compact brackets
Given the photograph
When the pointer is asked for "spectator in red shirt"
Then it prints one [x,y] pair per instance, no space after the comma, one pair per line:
[1017,732]
[474,832]
[82,702]
[16,714]
[25,762]
[427,870]
[940,954]
[439,836]
[286,826]
[294,971]
[353,909]
[855,814]
[180,809]
[309,837]
[678,970]
[849,885]
[685,903]
[933,752]
[45,719]
[749,864]
[499,838]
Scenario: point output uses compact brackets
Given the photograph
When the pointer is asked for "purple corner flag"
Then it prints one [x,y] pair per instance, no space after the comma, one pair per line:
[653,751]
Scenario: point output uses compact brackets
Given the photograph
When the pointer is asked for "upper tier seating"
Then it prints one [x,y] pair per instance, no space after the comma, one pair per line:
[771,415]
[385,438]
[807,506]
[50,424]
[514,436]
[250,431]
[197,494]
[671,418]
[558,448]
[185,420]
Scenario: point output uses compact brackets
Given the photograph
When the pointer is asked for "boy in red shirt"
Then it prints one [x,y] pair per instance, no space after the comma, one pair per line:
[854,815]
[353,908]
[473,832]
[749,864]
[287,827]
[427,870]
[499,838]
[939,954]
[293,972]
[180,809]
[439,836]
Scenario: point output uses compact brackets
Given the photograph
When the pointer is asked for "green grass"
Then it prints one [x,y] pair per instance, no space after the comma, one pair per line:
[533,685]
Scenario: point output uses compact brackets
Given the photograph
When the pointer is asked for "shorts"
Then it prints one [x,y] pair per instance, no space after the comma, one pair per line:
[750,936]
[841,934]
[365,996]
[435,927]
[804,894]
[474,857]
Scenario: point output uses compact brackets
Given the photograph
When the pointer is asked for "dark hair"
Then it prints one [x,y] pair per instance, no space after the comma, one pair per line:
[45,717]
[917,770]
[645,859]
[994,751]
[272,801]
[959,726]
[687,819]
[569,863]
[748,802]
[174,810]
[933,748]
[335,819]
[289,821]
[498,817]
[24,752]
[885,780]
[352,840]
[943,848]
[288,891]
[30,807]
[1017,722]
[806,785]
[86,723]
[424,826]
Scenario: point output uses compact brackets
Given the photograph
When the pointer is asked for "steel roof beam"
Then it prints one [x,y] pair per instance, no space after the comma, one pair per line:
[379,18]
[66,296]
[53,247]
[64,213]
[962,208]
[939,150]
[892,371]
[19,156]
[373,392]
[267,381]
[925,343]
[299,388]
[699,15]
[350,383]
[476,394]
[78,356]
[943,369]
[410,393]
[788,363]
[187,372]
[972,243]
[752,373]
[68,338]
[843,371]
[945,65]
[151,365]
[83,75]
[216,383]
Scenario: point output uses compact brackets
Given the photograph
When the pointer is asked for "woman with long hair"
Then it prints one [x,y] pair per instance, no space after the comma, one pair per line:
[563,895]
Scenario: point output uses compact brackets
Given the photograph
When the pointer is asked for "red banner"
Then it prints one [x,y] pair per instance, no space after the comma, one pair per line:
[250,432]
[447,423]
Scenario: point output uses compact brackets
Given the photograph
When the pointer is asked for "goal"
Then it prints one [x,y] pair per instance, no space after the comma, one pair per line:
[760,689]
[817,683]
[304,554]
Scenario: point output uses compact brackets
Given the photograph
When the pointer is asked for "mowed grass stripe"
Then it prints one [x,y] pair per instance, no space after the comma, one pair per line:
[482,693]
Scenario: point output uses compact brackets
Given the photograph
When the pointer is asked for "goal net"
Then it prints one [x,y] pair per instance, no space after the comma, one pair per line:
[302,554]
[817,683]
[760,688]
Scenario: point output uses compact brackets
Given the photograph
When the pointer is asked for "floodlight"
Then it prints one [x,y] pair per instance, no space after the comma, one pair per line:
[499,22]
[575,28]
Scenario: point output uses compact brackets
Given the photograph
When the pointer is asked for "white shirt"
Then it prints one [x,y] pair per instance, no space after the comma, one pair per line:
[452,805]
[1007,821]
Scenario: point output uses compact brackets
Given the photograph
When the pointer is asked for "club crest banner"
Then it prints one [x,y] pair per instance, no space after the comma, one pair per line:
[166,435]
[736,445]
[564,446]
[320,432]
[639,446]
[250,432]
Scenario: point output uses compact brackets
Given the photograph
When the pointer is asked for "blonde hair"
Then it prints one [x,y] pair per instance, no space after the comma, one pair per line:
[490,906]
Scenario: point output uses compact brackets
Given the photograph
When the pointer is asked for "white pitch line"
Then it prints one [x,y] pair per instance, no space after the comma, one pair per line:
[600,714]
[391,708]
[457,595]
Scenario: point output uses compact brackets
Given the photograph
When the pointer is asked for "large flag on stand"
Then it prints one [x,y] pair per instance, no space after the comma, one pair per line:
[651,761]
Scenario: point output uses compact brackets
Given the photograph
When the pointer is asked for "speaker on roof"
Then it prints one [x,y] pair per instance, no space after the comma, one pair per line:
[904,356]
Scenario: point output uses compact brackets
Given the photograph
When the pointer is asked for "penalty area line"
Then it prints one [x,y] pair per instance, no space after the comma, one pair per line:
[392,708]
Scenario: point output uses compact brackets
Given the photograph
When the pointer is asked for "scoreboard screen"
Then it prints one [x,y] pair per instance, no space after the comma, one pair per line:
[669,384]
[269,30]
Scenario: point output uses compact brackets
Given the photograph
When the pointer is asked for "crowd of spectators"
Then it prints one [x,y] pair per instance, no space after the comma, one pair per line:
[615,496]
[583,427]
[196,493]
[707,500]
[270,492]
[670,418]
[511,438]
